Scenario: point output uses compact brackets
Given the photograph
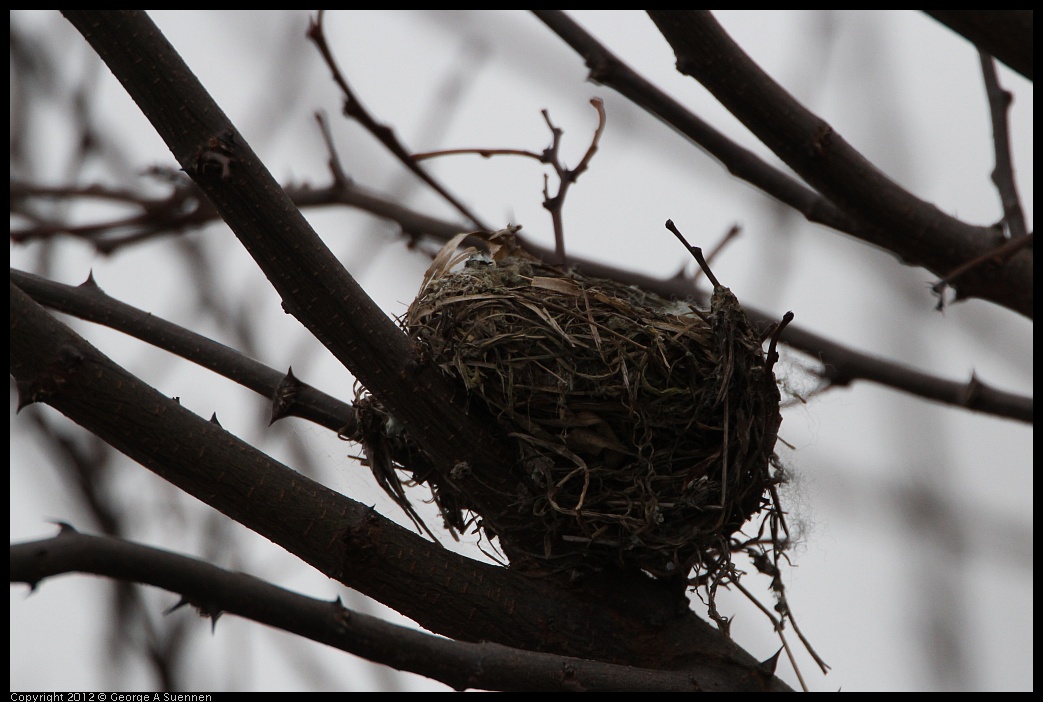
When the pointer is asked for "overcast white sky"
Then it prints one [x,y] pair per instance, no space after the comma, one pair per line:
[879,595]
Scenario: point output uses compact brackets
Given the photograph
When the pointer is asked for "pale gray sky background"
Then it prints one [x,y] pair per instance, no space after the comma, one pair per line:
[889,603]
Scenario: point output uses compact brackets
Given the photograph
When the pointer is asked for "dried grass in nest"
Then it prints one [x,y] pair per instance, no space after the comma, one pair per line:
[644,428]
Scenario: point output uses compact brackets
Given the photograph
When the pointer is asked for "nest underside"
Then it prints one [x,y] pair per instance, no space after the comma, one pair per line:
[644,430]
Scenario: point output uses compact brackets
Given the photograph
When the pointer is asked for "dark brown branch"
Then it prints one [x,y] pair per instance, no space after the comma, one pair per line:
[89,302]
[1006,34]
[354,109]
[313,284]
[215,591]
[442,591]
[1003,173]
[917,231]
[842,365]
[607,69]
[697,253]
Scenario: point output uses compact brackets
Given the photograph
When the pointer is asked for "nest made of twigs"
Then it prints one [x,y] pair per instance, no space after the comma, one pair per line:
[644,428]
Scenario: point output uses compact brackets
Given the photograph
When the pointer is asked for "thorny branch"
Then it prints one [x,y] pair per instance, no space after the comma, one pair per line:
[214,591]
[290,397]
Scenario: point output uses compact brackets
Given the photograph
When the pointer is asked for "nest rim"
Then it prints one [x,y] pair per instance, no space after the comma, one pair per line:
[590,379]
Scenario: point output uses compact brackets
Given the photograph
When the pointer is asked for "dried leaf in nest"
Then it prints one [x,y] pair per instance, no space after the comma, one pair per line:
[645,428]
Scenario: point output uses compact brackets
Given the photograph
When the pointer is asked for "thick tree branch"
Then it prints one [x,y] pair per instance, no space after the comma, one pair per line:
[917,231]
[607,69]
[1006,34]
[215,591]
[444,592]
[313,284]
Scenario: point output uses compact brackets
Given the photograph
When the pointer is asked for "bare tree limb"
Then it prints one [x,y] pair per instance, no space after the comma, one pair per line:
[841,365]
[313,284]
[1006,34]
[441,590]
[1003,173]
[290,396]
[917,231]
[354,109]
[215,591]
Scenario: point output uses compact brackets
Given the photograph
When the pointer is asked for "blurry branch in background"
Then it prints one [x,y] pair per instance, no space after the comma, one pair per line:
[184,209]
[354,109]
[852,196]
[840,365]
[214,591]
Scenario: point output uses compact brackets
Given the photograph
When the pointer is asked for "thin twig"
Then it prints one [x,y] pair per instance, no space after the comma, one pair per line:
[549,156]
[696,252]
[354,108]
[567,178]
[1003,174]
[340,178]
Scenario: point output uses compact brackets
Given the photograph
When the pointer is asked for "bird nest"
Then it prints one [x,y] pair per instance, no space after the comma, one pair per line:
[644,428]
